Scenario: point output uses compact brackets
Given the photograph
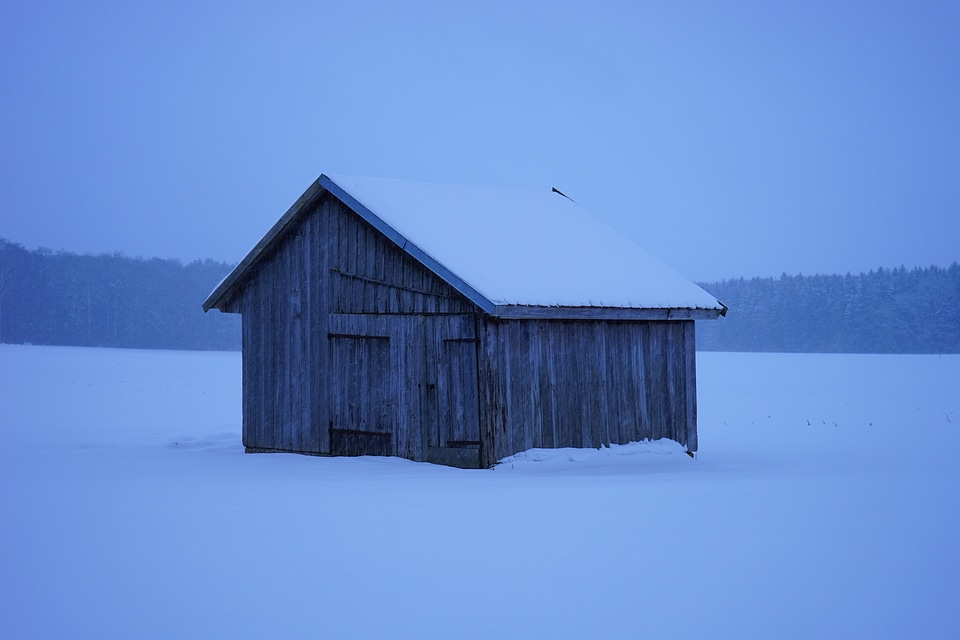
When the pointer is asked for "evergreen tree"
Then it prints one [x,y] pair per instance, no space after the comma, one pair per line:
[110,301]
[883,311]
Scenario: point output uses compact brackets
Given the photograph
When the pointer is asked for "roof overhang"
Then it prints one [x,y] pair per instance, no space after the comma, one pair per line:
[518,311]
[409,247]
[221,296]
[222,293]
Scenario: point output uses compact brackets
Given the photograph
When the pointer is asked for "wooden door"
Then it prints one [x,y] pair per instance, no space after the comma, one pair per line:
[405,385]
[452,419]
[361,394]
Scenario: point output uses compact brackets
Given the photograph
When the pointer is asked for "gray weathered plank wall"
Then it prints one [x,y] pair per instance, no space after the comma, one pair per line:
[395,378]
[329,267]
[283,381]
[585,383]
[352,346]
[372,275]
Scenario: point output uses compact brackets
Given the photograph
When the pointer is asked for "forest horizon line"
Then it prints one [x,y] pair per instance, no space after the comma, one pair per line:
[114,300]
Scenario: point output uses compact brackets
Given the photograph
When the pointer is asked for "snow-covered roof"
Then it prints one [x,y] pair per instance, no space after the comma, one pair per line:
[510,250]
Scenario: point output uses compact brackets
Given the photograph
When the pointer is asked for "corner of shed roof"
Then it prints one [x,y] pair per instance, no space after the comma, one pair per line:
[219,296]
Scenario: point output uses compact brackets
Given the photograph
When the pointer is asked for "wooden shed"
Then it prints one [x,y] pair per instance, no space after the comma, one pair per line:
[458,325]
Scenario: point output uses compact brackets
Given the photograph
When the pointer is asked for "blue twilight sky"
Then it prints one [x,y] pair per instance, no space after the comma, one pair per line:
[727,138]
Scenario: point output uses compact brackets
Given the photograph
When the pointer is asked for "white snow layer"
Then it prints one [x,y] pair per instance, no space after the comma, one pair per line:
[824,503]
[520,247]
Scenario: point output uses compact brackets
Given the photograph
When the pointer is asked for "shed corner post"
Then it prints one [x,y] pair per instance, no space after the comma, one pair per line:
[690,357]
[487,395]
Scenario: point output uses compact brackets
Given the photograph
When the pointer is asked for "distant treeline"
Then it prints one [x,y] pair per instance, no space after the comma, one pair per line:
[61,298]
[884,311]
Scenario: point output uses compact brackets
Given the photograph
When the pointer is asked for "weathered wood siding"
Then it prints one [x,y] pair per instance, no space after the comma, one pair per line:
[413,352]
[339,327]
[406,382]
[284,356]
[352,347]
[585,383]
[368,273]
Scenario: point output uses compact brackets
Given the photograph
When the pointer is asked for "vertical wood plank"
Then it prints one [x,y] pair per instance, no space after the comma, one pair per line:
[690,388]
[548,351]
[492,409]
[309,275]
[416,413]
[675,400]
[324,297]
[533,377]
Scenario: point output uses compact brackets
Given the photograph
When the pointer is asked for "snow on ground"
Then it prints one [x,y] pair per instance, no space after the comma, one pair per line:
[824,502]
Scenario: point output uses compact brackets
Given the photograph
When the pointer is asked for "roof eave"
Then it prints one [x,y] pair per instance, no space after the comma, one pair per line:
[521,311]
[221,294]
[407,246]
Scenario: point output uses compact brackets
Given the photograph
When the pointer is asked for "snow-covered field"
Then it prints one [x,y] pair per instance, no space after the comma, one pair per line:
[825,502]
